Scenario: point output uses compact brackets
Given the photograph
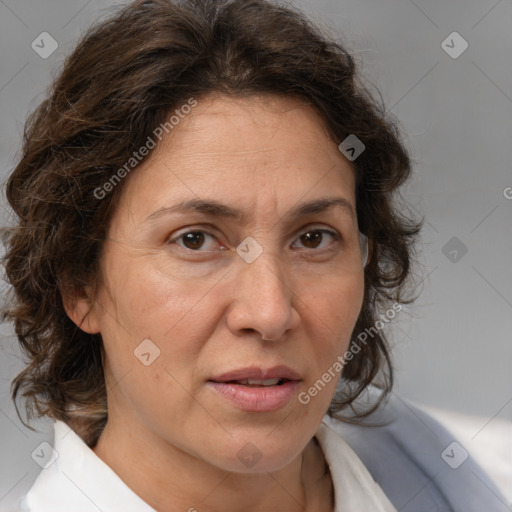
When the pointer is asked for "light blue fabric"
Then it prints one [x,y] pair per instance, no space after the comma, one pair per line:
[404,457]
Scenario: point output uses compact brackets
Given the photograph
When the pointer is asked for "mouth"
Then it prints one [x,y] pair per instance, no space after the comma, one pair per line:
[255,375]
[256,389]
[258,382]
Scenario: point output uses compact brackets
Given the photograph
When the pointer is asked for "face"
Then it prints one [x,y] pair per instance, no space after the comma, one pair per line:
[194,314]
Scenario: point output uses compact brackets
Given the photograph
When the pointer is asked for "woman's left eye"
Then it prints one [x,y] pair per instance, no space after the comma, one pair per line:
[315,238]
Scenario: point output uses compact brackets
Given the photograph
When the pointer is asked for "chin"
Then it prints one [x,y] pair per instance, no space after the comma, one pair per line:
[259,455]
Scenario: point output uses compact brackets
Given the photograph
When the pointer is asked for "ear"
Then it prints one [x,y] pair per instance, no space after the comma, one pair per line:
[82,309]
[363,243]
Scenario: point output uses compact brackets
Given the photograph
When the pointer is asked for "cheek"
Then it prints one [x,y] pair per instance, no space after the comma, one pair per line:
[176,314]
[332,312]
[335,305]
[153,335]
[147,296]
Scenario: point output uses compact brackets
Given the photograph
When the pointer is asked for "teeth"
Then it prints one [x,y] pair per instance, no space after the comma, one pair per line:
[258,382]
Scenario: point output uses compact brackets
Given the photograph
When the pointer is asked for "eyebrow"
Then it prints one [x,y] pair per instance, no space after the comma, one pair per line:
[217,209]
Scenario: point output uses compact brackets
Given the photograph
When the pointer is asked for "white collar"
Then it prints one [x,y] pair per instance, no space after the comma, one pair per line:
[79,481]
[355,489]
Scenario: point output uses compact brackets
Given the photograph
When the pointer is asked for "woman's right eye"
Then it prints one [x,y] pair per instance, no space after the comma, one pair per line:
[194,241]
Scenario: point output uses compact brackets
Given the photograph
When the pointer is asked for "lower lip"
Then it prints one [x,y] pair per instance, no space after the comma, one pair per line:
[256,398]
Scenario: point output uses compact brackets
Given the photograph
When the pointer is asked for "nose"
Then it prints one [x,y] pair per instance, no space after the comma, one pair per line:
[263,300]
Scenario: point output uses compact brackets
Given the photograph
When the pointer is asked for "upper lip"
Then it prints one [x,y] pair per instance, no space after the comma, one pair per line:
[256,373]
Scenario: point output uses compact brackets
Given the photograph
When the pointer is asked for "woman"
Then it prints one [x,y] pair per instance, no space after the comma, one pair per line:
[206,243]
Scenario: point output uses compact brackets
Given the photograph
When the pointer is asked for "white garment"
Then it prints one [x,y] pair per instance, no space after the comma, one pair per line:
[79,481]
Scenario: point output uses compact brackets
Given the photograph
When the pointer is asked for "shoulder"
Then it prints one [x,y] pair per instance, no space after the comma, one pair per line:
[354,486]
[74,478]
[419,465]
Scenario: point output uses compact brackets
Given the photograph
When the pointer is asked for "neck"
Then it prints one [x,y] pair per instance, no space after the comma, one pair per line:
[170,479]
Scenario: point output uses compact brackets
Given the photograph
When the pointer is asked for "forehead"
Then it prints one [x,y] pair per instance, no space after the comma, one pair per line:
[256,128]
[264,152]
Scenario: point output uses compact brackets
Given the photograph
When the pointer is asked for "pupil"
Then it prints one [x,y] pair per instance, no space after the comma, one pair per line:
[193,240]
[312,239]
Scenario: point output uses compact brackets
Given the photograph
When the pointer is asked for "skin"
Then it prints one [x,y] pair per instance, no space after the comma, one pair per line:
[170,437]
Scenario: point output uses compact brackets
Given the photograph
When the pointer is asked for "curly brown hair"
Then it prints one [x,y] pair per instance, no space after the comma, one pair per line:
[121,81]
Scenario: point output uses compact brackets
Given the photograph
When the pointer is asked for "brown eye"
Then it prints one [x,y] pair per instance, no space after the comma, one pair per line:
[312,239]
[193,240]
[316,238]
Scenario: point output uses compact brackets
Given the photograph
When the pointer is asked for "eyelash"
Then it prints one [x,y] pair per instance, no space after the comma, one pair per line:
[335,236]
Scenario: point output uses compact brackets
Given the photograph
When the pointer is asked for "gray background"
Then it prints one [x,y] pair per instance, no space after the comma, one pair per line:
[453,348]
